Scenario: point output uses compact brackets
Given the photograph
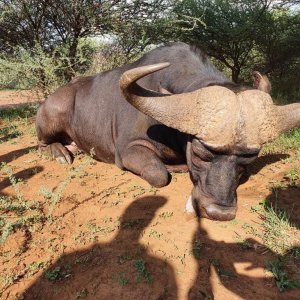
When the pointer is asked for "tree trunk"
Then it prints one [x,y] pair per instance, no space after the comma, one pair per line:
[235,73]
[70,72]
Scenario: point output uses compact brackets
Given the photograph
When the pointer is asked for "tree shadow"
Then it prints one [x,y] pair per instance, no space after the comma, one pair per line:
[8,157]
[24,175]
[120,269]
[19,105]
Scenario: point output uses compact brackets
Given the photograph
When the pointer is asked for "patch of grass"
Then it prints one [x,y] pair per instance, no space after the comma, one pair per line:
[17,212]
[250,229]
[242,242]
[15,182]
[56,196]
[17,113]
[53,274]
[282,281]
[143,273]
[58,273]
[196,249]
[94,228]
[293,176]
[121,278]
[82,294]
[234,222]
[7,280]
[138,190]
[255,208]
[123,258]
[278,185]
[116,202]
[285,142]
[279,234]
[155,233]
[21,223]
[219,269]
[153,190]
[8,133]
[36,267]
[45,192]
[166,214]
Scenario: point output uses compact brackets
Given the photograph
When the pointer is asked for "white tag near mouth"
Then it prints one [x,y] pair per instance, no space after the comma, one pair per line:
[189,206]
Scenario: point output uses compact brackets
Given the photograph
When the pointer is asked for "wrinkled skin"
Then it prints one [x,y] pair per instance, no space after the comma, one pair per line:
[216,177]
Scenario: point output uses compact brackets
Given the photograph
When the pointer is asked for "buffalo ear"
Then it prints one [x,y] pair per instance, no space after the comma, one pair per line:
[261,82]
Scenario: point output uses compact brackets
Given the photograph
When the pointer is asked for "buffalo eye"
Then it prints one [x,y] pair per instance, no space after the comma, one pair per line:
[199,151]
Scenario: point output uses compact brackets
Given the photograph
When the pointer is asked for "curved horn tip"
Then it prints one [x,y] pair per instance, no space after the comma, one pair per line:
[157,67]
[135,74]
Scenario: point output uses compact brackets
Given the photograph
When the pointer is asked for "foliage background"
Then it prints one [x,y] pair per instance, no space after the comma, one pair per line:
[43,44]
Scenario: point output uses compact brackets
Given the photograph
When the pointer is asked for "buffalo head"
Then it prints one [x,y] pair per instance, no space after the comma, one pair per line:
[226,130]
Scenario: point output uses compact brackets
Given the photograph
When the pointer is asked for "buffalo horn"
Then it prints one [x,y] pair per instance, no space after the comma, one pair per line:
[289,116]
[179,111]
[214,114]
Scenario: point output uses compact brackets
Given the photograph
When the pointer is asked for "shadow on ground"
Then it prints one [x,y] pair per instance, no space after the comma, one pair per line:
[19,105]
[125,269]
[265,160]
[287,199]
[219,260]
[10,156]
[260,163]
[24,175]
[120,269]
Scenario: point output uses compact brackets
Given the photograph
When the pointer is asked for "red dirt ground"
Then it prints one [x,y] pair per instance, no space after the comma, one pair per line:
[18,97]
[115,237]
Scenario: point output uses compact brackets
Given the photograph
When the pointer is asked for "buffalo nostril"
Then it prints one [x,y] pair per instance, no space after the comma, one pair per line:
[219,212]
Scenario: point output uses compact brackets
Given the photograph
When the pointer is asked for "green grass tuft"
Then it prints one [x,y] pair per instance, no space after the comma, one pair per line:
[17,113]
[143,272]
[279,234]
[285,142]
[17,212]
[282,281]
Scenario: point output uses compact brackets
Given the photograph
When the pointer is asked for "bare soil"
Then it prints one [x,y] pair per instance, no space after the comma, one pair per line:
[9,98]
[115,237]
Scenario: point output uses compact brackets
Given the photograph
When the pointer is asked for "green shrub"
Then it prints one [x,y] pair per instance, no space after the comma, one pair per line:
[44,70]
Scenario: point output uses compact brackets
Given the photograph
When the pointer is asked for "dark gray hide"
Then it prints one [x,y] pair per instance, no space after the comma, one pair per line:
[92,112]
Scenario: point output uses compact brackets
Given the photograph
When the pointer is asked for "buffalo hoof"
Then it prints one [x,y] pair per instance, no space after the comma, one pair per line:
[73,148]
[61,160]
[60,153]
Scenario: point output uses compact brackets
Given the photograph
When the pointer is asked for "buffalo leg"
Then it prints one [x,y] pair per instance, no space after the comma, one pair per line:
[145,163]
[57,151]
[51,136]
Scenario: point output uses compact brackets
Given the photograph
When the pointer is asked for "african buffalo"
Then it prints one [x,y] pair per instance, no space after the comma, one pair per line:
[180,110]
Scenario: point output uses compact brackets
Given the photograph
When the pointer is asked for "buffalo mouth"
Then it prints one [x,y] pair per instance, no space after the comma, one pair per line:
[218,212]
[211,210]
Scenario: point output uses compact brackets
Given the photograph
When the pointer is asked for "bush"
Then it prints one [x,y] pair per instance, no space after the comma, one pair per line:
[42,70]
